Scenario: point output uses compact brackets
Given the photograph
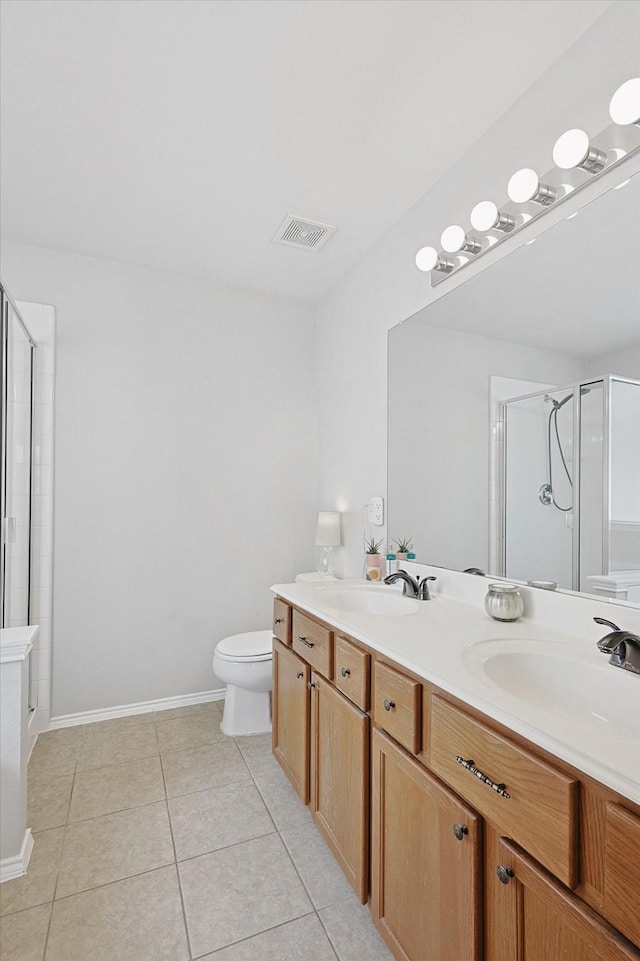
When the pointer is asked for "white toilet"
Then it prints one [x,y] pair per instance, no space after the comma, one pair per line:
[244,662]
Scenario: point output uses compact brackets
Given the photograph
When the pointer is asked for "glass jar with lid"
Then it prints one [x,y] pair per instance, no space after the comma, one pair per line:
[504,602]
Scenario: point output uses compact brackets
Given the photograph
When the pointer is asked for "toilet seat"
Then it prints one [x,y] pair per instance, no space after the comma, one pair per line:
[251,646]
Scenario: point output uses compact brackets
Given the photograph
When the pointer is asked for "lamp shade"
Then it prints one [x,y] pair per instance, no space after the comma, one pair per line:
[328,532]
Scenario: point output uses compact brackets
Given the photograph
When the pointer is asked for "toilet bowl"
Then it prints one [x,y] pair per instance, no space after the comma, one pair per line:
[243,662]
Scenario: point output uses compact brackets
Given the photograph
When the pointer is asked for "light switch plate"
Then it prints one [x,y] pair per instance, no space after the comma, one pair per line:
[376,511]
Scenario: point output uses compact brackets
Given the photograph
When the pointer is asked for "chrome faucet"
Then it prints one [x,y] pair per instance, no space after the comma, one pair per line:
[411,587]
[623,646]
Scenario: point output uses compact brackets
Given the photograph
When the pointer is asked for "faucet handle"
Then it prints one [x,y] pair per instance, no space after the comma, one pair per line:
[606,623]
[423,589]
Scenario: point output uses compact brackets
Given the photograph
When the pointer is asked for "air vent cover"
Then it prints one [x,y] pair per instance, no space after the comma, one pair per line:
[299,232]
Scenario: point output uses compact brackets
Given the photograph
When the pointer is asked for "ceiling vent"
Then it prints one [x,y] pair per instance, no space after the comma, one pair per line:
[296,232]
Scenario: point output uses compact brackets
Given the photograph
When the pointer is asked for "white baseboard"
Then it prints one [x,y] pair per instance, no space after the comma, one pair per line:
[127,710]
[16,866]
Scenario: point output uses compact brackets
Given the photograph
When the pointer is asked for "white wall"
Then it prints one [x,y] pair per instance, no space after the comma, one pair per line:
[385,288]
[184,471]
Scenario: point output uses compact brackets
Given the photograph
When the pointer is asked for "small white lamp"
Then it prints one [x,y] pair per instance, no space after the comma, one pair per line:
[328,537]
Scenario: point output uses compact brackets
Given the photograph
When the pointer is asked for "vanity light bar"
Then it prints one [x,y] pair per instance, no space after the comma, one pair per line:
[573,151]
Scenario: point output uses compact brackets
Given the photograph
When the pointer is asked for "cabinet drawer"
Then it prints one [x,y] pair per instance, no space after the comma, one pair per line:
[622,871]
[396,705]
[313,642]
[527,799]
[282,621]
[351,666]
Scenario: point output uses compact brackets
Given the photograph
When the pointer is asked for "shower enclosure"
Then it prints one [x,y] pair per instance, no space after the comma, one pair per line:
[16,399]
[570,491]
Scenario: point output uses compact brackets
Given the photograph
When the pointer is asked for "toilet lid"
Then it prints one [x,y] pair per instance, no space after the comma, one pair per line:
[252,644]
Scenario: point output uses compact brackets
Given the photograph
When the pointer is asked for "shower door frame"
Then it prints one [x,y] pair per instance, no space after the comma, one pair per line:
[498,480]
[7,303]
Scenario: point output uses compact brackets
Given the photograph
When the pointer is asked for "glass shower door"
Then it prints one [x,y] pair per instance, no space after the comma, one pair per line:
[538,482]
[16,468]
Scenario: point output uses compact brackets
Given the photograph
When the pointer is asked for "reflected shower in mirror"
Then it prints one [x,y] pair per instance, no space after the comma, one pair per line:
[514,422]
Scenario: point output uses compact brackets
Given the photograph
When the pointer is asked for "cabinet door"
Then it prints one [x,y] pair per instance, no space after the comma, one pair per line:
[340,780]
[537,919]
[425,863]
[290,727]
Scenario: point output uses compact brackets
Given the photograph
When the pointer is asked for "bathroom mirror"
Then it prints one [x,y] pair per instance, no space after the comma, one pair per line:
[549,320]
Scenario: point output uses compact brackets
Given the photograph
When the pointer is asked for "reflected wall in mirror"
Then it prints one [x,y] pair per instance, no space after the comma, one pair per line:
[469,466]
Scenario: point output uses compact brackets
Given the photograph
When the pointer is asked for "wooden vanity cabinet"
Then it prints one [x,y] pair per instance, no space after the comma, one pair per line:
[321,738]
[290,716]
[340,780]
[537,919]
[426,861]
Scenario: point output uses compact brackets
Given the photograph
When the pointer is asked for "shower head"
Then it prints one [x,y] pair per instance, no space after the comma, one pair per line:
[557,404]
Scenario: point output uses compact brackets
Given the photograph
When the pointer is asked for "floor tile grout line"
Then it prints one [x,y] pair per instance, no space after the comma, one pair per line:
[175,860]
[60,855]
[249,937]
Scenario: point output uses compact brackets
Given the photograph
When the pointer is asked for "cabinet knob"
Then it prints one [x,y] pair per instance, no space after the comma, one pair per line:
[460,830]
[504,874]
[388,704]
[300,674]
[345,671]
[279,620]
[312,684]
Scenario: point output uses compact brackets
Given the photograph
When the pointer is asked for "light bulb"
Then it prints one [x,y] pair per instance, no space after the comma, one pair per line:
[525,185]
[454,239]
[428,259]
[624,108]
[486,216]
[573,149]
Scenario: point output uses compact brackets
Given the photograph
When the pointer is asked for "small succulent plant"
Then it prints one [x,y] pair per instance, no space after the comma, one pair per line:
[372,546]
[404,545]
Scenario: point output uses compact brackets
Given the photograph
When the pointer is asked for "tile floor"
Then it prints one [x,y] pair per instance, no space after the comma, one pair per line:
[158,838]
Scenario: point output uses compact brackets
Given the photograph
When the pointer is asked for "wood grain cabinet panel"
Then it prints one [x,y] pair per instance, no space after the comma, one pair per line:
[290,717]
[313,642]
[622,871]
[352,670]
[282,621]
[539,920]
[340,780]
[397,702]
[425,878]
[528,799]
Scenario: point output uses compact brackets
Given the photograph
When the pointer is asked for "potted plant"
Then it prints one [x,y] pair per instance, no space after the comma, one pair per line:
[404,546]
[373,560]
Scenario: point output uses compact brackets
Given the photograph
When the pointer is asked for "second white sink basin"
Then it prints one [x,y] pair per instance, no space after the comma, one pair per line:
[562,680]
[368,600]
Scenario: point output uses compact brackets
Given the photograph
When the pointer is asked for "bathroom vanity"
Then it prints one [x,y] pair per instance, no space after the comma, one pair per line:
[478,825]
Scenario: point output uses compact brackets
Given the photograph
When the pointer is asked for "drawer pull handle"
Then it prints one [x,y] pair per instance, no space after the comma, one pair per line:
[345,671]
[498,787]
[388,704]
[304,641]
[504,874]
[279,620]
[460,830]
[300,674]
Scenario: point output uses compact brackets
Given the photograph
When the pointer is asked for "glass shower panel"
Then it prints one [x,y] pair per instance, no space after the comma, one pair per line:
[592,473]
[538,518]
[624,444]
[17,377]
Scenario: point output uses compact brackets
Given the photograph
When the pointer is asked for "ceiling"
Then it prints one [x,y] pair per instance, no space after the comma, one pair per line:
[178,134]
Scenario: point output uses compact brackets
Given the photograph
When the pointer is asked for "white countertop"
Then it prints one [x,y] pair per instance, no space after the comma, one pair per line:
[440,643]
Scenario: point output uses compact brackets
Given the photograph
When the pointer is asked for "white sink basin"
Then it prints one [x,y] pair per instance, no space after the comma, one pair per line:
[563,680]
[368,600]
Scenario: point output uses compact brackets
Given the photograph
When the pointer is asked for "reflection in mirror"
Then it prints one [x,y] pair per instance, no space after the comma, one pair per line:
[545,486]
